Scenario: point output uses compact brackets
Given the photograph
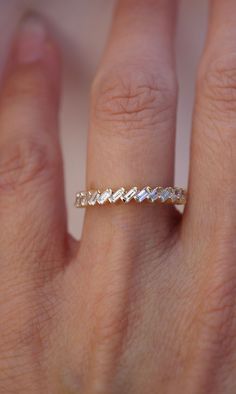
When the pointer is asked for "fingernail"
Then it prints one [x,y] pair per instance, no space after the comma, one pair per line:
[31,39]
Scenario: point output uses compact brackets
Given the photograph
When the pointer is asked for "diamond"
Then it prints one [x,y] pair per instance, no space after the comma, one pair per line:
[143,194]
[104,196]
[180,195]
[173,196]
[167,194]
[81,199]
[77,199]
[93,196]
[155,193]
[117,195]
[130,194]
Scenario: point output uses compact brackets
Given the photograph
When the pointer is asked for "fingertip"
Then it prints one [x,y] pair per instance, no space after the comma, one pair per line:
[31,40]
[34,45]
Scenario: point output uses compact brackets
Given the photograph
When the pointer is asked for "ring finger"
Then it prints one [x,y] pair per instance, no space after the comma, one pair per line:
[132,129]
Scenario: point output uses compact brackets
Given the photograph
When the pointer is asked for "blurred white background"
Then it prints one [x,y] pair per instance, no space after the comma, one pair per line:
[81,27]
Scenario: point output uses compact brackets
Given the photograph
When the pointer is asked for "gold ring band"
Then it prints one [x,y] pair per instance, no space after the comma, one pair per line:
[165,195]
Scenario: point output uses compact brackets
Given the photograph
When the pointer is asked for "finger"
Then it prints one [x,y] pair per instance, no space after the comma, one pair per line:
[213,159]
[132,130]
[32,212]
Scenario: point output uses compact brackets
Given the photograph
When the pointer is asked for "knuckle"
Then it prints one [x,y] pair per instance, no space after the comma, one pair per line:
[24,162]
[27,87]
[29,83]
[216,106]
[218,84]
[133,100]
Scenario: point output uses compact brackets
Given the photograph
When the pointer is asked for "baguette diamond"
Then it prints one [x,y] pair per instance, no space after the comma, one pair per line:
[143,194]
[180,195]
[93,196]
[81,199]
[166,194]
[155,194]
[117,195]
[104,196]
[130,194]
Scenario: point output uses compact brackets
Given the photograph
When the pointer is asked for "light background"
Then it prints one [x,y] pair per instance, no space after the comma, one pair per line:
[81,27]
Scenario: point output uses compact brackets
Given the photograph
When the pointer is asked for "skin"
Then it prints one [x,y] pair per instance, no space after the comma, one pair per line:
[145,302]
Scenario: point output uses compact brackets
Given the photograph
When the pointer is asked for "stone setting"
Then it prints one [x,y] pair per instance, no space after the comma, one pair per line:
[143,194]
[118,195]
[81,199]
[93,196]
[155,193]
[104,196]
[130,194]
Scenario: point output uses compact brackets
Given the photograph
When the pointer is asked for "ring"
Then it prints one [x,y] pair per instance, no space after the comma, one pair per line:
[167,195]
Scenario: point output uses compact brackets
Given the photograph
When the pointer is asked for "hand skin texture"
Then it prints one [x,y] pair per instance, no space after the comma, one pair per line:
[145,303]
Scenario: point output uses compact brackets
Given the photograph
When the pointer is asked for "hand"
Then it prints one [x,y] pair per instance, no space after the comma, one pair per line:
[146,302]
